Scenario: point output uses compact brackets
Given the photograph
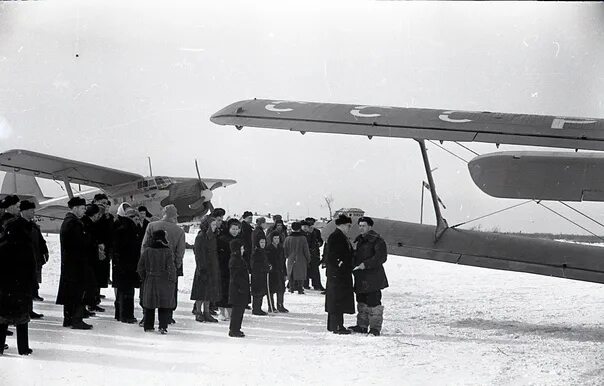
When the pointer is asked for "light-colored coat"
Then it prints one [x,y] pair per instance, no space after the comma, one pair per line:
[297,254]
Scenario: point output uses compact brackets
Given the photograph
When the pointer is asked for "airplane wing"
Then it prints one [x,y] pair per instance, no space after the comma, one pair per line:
[211,183]
[56,168]
[445,125]
[56,212]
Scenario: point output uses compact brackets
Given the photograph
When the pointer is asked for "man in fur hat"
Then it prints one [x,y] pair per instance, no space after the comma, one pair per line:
[370,278]
[72,283]
[39,248]
[339,299]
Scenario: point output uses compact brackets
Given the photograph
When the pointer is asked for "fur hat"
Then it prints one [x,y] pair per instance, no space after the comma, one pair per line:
[10,201]
[310,220]
[343,219]
[260,220]
[217,212]
[25,205]
[76,201]
[304,223]
[247,214]
[368,220]
[91,210]
[100,196]
[296,226]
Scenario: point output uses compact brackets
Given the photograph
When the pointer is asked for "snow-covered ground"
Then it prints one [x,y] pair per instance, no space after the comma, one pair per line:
[444,324]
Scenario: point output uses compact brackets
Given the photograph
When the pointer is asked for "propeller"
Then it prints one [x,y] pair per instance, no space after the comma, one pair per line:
[205,193]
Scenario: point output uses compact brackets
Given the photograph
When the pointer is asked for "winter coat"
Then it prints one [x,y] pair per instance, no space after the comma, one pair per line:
[246,237]
[313,245]
[239,281]
[91,254]
[276,258]
[126,253]
[371,251]
[206,282]
[260,267]
[339,256]
[224,255]
[158,275]
[39,246]
[176,240]
[104,233]
[74,241]
[17,271]
[297,255]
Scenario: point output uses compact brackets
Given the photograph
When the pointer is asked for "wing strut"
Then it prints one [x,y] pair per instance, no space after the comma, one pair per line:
[441,223]
[67,186]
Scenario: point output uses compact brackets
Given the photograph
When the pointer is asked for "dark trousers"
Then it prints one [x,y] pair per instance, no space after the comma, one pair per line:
[372,299]
[73,314]
[335,321]
[163,314]
[236,318]
[175,299]
[313,273]
[22,337]
[125,302]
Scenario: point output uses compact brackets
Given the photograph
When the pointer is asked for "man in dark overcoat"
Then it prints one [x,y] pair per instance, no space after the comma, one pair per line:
[104,232]
[72,283]
[246,236]
[370,278]
[38,245]
[126,253]
[17,276]
[339,299]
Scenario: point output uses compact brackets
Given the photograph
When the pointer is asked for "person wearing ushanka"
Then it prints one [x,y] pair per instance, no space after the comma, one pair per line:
[339,299]
[370,278]
[38,244]
[17,277]
[158,274]
[246,236]
[239,287]
[72,283]
[92,214]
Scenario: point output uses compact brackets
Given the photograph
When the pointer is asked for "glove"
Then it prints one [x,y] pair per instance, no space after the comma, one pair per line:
[359,267]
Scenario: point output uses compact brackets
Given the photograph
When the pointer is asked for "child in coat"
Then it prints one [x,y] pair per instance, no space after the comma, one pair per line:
[239,287]
[158,274]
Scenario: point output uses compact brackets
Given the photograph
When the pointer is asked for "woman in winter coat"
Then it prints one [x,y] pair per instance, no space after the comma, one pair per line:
[17,280]
[158,274]
[239,287]
[206,283]
[278,272]
[224,255]
[298,257]
[126,253]
[91,216]
[260,268]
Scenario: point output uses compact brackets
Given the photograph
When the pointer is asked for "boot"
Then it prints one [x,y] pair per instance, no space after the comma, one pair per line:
[207,317]
[376,317]
[362,319]
[35,315]
[236,334]
[257,306]
[81,326]
[23,340]
[280,308]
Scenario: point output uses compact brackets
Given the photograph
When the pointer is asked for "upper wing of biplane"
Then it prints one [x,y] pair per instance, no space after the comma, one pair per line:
[445,125]
[56,168]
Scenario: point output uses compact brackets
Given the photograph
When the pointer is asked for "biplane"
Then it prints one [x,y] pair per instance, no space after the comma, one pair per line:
[191,196]
[563,176]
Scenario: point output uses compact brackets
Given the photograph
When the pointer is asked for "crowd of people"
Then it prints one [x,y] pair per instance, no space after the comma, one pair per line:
[237,267]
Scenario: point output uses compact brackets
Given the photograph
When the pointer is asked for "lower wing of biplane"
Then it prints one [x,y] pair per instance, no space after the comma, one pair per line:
[565,176]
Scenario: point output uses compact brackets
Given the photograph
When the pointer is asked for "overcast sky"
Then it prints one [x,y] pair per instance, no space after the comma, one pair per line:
[113,83]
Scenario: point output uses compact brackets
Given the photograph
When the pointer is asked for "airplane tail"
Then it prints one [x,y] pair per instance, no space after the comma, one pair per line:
[23,186]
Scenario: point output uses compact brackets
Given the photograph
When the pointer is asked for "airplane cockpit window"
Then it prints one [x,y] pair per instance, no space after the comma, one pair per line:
[162,182]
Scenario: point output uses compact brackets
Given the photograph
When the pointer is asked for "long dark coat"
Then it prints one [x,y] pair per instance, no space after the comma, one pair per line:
[224,255]
[104,232]
[276,258]
[239,283]
[74,241]
[259,265]
[91,253]
[206,282]
[40,249]
[297,255]
[246,237]
[372,252]
[158,275]
[339,257]
[126,253]
[17,271]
